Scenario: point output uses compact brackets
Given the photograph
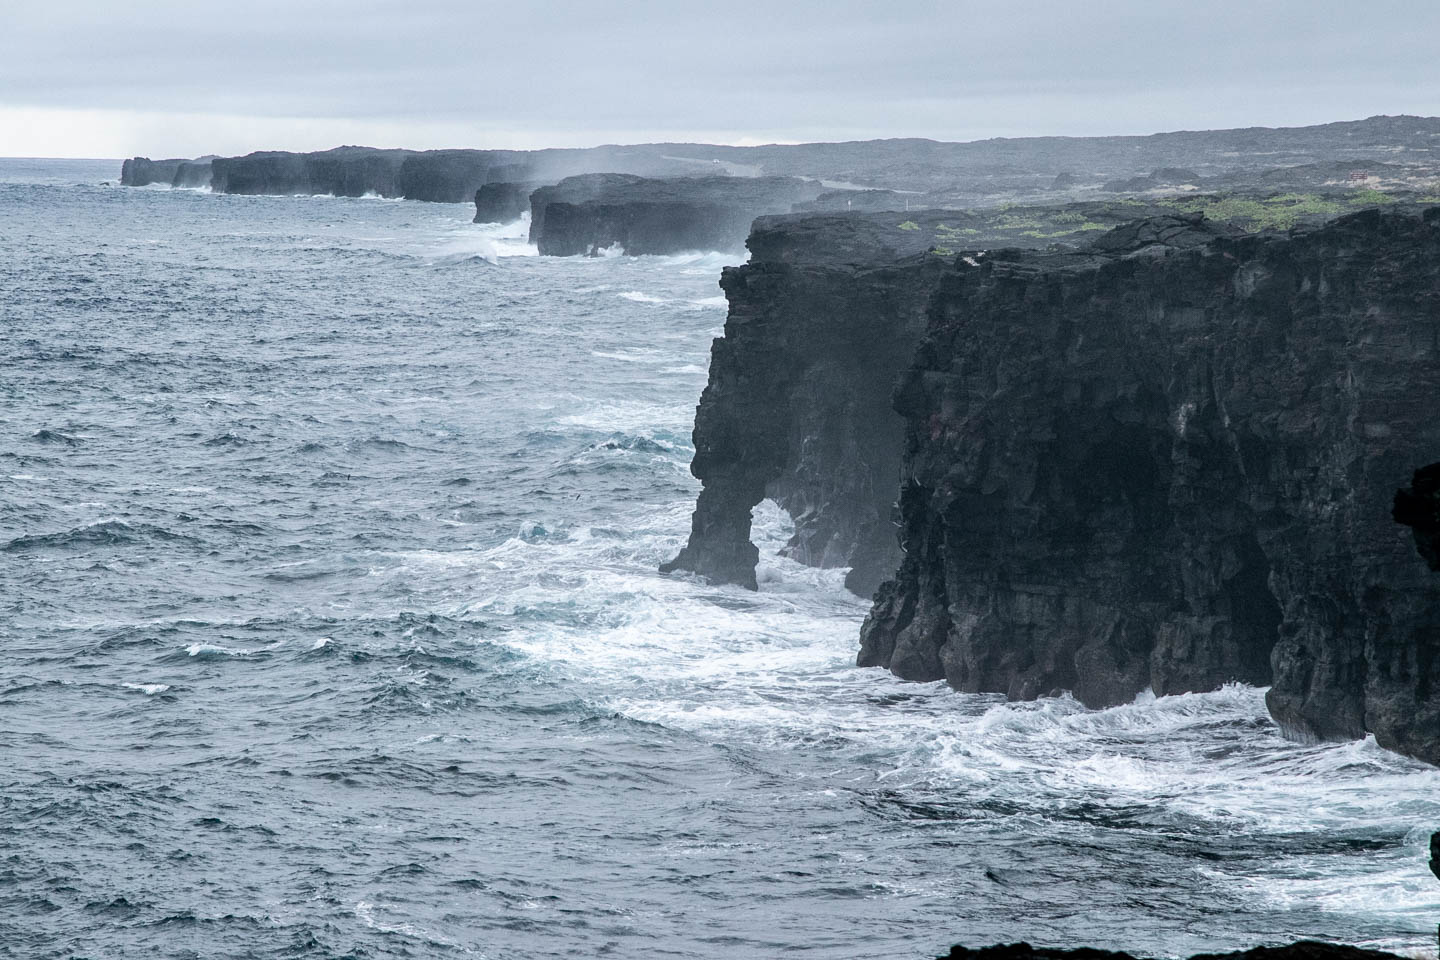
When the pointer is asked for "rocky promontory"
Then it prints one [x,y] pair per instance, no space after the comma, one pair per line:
[648,215]
[1166,458]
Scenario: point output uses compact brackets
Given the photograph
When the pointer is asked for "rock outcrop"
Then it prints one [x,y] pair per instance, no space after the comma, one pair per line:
[1300,950]
[1169,461]
[142,171]
[646,215]
[503,202]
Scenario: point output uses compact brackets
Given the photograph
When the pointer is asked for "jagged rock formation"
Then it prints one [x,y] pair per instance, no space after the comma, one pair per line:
[646,215]
[1300,950]
[1169,461]
[502,202]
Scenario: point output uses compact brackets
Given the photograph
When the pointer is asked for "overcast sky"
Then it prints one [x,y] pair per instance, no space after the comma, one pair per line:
[112,78]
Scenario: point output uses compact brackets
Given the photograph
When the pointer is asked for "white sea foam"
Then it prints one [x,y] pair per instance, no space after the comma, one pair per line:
[489,241]
[149,689]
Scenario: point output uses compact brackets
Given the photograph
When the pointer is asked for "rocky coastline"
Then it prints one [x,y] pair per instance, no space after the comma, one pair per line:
[1164,459]
[1389,153]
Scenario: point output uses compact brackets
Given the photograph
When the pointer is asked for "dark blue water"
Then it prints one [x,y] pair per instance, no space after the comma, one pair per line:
[331,628]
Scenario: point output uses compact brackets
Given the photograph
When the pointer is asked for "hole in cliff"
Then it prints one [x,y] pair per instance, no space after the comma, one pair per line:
[1255,612]
[1418,507]
[771,527]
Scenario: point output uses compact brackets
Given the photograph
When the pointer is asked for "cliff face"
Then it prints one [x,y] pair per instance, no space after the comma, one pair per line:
[343,172]
[646,215]
[192,174]
[446,176]
[1170,461]
[822,321]
[142,171]
[502,202]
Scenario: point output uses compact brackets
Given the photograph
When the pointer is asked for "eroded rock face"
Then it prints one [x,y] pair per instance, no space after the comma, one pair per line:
[647,215]
[1169,461]
[822,321]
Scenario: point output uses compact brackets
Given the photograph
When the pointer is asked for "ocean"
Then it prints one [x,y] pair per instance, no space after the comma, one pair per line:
[330,627]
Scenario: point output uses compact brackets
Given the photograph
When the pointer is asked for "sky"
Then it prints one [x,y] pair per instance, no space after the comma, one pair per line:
[115,78]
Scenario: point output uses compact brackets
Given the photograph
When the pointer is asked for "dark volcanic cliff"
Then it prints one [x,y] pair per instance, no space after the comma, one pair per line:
[1165,460]
[1170,461]
[142,171]
[343,172]
[645,215]
[823,320]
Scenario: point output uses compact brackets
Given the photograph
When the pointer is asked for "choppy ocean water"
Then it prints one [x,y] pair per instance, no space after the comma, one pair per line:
[330,627]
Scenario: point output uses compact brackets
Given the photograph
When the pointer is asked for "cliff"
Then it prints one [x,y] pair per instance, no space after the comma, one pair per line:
[823,320]
[1169,461]
[192,174]
[1166,458]
[502,202]
[446,176]
[142,171]
[646,215]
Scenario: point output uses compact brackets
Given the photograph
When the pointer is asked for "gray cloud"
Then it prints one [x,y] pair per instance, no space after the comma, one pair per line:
[788,70]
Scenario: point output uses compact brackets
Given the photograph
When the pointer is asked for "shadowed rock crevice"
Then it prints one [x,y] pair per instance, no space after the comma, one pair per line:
[1418,507]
